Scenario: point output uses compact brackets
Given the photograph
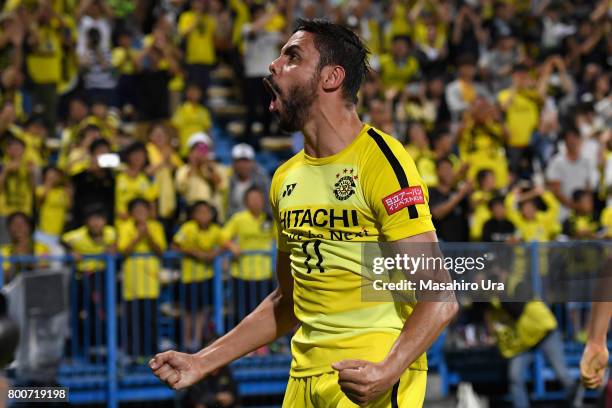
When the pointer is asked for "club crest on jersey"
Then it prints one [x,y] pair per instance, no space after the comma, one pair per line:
[345,184]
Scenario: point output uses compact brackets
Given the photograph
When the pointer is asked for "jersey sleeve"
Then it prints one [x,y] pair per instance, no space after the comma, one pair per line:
[158,235]
[184,23]
[181,237]
[606,218]
[69,237]
[110,235]
[281,239]
[395,191]
[228,232]
[124,236]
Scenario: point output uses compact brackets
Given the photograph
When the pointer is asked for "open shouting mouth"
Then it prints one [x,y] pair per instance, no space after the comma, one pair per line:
[274,92]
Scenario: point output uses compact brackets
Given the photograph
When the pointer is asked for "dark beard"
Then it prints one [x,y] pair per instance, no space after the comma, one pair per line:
[296,106]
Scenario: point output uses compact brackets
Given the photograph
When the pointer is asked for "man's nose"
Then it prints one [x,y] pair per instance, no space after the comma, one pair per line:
[272,66]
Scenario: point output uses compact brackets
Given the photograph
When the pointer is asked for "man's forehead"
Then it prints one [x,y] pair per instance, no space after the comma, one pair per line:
[301,39]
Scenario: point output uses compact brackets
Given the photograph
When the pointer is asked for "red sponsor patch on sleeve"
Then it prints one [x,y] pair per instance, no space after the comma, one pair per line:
[403,198]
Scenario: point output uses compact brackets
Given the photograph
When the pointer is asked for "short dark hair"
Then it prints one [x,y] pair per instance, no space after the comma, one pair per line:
[466,59]
[338,45]
[136,202]
[443,160]
[192,84]
[214,214]
[578,194]
[256,7]
[51,167]
[14,139]
[195,206]
[569,131]
[97,144]
[133,148]
[482,174]
[88,128]
[402,37]
[496,200]
[95,210]
[251,190]
[18,214]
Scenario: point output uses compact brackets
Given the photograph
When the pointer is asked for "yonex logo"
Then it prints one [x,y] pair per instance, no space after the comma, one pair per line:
[289,189]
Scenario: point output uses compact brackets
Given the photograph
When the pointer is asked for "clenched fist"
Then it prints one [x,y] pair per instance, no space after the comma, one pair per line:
[593,364]
[177,370]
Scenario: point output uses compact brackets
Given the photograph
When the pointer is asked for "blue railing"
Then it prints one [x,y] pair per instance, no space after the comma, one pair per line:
[108,344]
[115,369]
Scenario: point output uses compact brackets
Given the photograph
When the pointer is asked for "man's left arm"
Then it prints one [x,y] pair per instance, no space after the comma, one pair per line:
[363,381]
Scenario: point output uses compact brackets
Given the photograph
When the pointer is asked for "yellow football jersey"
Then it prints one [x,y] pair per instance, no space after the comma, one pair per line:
[251,234]
[140,273]
[191,236]
[324,208]
[81,242]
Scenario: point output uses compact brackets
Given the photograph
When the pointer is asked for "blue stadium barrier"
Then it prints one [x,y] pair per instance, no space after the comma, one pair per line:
[106,357]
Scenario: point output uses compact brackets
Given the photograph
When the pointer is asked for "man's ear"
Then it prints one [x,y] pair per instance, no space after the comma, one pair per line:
[332,77]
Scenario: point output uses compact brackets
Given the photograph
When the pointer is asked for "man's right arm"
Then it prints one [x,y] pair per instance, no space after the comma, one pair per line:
[273,318]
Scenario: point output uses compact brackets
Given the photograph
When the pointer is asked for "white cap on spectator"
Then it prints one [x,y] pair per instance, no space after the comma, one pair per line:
[199,137]
[243,151]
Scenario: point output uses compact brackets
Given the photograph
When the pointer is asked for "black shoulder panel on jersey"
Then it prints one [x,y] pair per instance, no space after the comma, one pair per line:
[395,165]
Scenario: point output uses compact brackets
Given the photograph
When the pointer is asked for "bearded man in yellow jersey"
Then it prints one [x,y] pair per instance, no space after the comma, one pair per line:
[340,190]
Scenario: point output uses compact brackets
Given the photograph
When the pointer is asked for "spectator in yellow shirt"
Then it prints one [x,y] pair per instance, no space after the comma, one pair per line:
[191,117]
[442,148]
[34,136]
[133,182]
[141,240]
[53,199]
[77,111]
[480,202]
[104,118]
[199,240]
[19,227]
[12,82]
[94,239]
[418,148]
[197,29]
[250,230]
[201,178]
[78,157]
[124,59]
[44,49]
[163,161]
[481,141]
[521,105]
[606,222]
[535,213]
[581,224]
[16,182]
[398,67]
[532,223]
